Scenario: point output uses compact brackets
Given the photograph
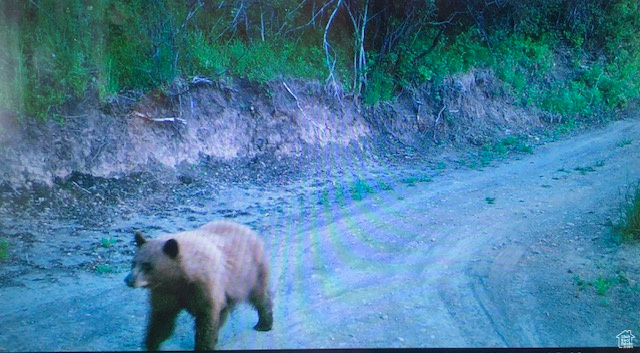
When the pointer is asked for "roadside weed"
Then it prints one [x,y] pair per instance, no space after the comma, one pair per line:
[602,285]
[359,189]
[102,269]
[582,284]
[324,198]
[411,181]
[624,142]
[107,242]
[503,147]
[629,227]
[385,186]
[4,249]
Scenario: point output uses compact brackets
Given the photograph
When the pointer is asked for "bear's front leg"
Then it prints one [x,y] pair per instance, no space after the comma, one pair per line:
[164,311]
[207,326]
[161,326]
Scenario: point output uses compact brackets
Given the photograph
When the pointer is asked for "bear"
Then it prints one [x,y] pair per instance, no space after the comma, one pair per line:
[206,271]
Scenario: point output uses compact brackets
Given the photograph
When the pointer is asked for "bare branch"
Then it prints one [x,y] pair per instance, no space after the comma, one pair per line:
[331,62]
[159,120]
[435,124]
[311,21]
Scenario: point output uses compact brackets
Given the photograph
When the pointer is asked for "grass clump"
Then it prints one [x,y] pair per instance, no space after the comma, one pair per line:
[107,242]
[412,180]
[4,249]
[602,285]
[629,228]
[359,189]
[503,147]
[103,269]
[624,142]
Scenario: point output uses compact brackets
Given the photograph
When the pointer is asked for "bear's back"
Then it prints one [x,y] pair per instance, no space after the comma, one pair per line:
[200,257]
[245,255]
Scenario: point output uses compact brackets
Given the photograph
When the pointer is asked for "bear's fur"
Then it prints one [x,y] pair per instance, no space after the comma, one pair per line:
[205,271]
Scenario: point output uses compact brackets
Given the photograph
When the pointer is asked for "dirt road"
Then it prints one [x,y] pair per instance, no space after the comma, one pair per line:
[518,254]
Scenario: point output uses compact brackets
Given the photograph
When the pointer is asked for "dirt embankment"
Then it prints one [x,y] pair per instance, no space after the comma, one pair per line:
[219,122]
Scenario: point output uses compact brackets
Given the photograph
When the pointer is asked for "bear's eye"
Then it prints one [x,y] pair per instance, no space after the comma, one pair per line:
[146,266]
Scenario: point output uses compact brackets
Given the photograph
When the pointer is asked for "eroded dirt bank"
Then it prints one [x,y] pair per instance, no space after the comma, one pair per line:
[222,122]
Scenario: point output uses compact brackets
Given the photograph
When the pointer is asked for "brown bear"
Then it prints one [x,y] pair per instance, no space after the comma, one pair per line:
[205,271]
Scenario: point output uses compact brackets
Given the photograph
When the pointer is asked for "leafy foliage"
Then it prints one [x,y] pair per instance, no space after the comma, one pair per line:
[53,51]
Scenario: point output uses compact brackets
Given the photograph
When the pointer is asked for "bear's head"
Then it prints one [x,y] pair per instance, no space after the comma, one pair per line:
[155,263]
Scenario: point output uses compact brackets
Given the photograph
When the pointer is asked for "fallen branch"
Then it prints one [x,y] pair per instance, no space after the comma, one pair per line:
[81,188]
[159,120]
[98,152]
[5,181]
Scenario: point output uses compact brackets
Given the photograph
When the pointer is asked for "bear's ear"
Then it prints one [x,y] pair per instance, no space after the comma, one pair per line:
[140,240]
[171,248]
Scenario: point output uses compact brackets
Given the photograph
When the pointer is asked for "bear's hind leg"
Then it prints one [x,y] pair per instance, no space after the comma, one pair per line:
[263,304]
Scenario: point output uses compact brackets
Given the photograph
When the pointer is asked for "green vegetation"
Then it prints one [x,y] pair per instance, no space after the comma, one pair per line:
[384,186]
[359,189]
[602,284]
[503,147]
[4,249]
[102,269]
[629,228]
[107,242]
[624,142]
[582,284]
[411,181]
[570,59]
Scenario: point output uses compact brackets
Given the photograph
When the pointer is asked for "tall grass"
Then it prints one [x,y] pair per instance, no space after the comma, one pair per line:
[629,228]
[4,249]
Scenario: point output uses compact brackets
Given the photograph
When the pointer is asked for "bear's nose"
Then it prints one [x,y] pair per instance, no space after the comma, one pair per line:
[129,280]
